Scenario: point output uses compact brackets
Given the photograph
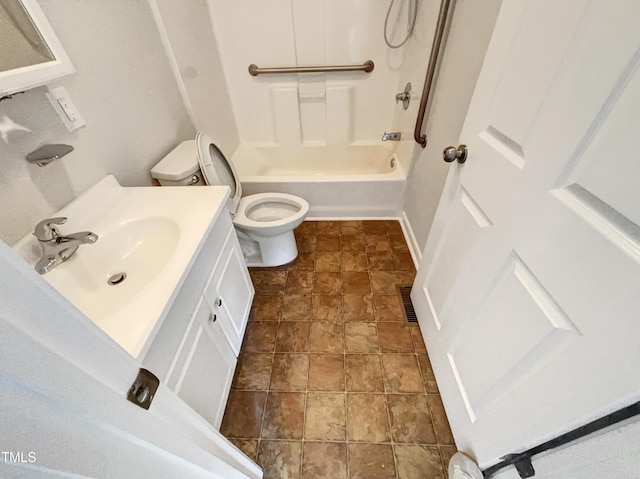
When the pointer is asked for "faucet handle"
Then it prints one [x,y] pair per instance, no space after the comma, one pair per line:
[44,230]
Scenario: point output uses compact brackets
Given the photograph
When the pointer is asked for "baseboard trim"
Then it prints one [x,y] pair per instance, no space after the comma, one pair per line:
[412,242]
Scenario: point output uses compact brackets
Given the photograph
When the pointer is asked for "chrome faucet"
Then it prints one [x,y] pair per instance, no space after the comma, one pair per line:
[393,136]
[57,248]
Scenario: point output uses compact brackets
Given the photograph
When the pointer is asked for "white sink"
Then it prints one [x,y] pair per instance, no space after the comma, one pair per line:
[147,239]
[104,277]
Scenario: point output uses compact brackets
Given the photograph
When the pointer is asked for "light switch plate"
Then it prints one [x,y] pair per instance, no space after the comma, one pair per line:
[66,109]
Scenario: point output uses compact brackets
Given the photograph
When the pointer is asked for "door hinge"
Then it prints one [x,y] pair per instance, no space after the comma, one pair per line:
[143,389]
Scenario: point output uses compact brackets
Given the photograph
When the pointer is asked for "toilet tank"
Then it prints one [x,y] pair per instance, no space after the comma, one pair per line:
[179,167]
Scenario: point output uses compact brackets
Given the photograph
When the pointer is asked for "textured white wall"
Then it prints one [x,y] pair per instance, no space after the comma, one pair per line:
[469,35]
[194,50]
[125,90]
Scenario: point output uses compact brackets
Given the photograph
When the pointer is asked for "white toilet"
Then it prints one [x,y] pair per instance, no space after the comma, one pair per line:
[264,222]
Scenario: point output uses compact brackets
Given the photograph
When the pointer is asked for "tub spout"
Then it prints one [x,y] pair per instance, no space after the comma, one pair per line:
[393,136]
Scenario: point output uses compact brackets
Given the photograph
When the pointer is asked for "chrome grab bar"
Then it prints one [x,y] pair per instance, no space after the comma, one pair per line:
[443,17]
[255,70]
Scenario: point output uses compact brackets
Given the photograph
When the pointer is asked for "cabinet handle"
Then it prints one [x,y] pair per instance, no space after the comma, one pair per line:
[213,318]
[218,302]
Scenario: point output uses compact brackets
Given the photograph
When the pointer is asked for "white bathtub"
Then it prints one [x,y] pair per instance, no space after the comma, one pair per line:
[338,182]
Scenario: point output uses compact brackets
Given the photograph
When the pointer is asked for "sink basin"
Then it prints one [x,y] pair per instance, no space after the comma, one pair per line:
[147,239]
[104,277]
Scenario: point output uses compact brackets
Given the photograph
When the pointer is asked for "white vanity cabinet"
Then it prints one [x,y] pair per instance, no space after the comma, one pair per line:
[195,350]
[229,292]
[206,366]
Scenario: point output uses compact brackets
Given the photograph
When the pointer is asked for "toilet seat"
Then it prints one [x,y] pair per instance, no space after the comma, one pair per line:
[288,218]
[218,170]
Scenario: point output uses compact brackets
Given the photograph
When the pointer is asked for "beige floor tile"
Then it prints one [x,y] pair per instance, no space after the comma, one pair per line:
[307,228]
[328,243]
[373,227]
[383,282]
[357,307]
[328,261]
[428,377]
[260,336]
[326,337]
[440,421]
[355,282]
[327,283]
[361,337]
[296,307]
[364,373]
[387,307]
[405,277]
[266,308]
[280,459]
[299,282]
[326,372]
[248,446]
[371,461]
[401,373]
[304,262]
[353,243]
[253,371]
[410,419]
[393,228]
[306,243]
[380,261]
[293,336]
[418,462]
[327,307]
[328,227]
[283,416]
[243,415]
[403,261]
[351,227]
[324,460]
[325,417]
[289,372]
[418,341]
[377,242]
[395,337]
[354,261]
[269,282]
[367,418]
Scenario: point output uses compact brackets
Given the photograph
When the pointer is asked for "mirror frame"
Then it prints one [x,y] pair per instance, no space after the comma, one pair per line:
[24,78]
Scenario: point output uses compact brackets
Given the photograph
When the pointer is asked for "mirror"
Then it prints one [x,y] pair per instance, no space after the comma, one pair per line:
[30,53]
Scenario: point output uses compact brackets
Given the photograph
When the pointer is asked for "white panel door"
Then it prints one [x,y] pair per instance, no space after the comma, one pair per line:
[528,293]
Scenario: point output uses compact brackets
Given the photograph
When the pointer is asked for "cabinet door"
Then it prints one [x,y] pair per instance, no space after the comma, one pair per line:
[205,378]
[230,292]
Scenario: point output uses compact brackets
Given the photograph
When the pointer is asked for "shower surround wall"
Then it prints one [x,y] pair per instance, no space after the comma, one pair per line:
[307,109]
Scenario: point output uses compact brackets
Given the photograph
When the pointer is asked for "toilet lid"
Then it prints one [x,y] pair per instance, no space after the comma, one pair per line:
[462,467]
[217,170]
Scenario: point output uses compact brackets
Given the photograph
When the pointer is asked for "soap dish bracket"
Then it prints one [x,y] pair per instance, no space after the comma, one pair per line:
[48,153]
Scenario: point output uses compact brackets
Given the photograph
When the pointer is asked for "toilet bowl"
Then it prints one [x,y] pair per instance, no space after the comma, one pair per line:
[264,222]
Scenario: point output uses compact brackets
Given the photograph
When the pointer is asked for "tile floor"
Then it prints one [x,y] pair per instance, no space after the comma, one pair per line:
[331,381]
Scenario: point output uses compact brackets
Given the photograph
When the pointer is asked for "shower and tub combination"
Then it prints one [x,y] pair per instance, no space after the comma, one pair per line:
[313,90]
[337,181]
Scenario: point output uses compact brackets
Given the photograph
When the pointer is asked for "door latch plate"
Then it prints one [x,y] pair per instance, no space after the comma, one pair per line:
[143,389]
